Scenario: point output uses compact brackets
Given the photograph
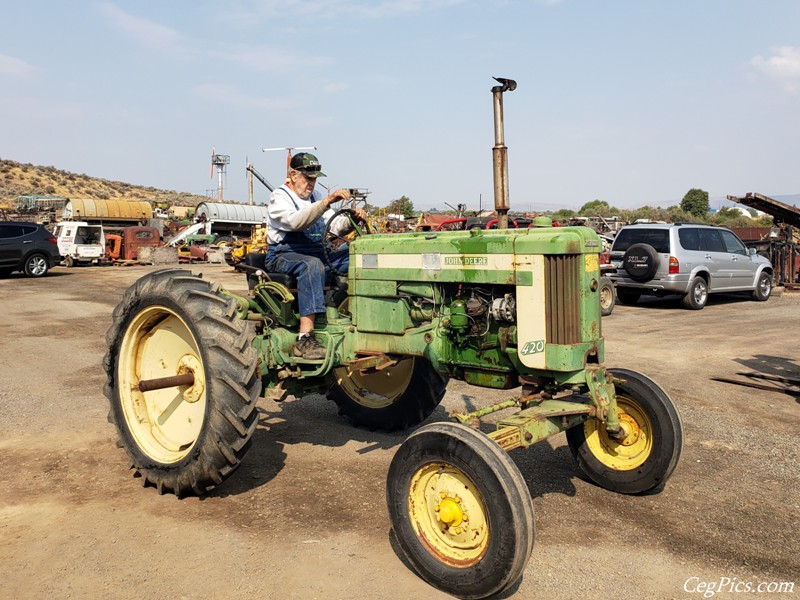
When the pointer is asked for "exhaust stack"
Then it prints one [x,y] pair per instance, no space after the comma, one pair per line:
[500,152]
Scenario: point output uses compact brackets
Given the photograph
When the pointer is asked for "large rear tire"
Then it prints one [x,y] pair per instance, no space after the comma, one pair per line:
[461,510]
[396,397]
[184,439]
[646,457]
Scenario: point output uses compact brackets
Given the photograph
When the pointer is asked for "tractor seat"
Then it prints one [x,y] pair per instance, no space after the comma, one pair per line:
[256,260]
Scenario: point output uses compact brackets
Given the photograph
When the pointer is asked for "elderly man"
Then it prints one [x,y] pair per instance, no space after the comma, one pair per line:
[297,219]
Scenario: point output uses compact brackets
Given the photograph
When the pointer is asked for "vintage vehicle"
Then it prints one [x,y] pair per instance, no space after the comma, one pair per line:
[126,244]
[80,243]
[502,308]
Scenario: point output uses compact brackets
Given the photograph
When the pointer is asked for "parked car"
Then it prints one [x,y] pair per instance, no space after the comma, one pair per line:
[688,259]
[27,247]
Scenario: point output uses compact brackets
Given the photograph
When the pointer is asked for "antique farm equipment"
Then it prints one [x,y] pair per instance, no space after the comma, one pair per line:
[501,308]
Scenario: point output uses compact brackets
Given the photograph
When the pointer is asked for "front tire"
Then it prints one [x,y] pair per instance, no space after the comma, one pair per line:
[763,288]
[642,461]
[396,397]
[461,510]
[184,439]
[607,299]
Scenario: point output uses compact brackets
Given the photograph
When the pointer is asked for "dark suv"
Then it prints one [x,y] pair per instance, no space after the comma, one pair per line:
[688,259]
[27,247]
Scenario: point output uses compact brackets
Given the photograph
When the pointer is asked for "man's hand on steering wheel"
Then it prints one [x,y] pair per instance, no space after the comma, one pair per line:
[361,214]
[359,226]
[336,197]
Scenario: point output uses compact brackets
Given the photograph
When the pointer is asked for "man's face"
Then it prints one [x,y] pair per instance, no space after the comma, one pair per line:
[303,185]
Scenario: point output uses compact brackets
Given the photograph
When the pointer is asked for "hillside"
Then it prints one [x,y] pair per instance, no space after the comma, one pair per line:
[22,179]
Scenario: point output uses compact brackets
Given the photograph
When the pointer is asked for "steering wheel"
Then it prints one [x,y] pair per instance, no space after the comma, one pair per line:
[332,241]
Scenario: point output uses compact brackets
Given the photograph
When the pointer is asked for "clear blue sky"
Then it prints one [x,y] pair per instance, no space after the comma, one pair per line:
[632,102]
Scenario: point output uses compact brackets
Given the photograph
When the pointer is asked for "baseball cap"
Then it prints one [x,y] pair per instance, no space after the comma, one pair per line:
[307,164]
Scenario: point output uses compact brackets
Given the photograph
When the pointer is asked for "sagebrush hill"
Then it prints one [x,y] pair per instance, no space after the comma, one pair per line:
[24,179]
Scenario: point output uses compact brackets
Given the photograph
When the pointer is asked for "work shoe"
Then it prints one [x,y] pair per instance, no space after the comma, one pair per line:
[309,348]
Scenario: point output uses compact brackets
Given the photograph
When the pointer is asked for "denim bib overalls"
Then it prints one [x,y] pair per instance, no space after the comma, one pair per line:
[300,254]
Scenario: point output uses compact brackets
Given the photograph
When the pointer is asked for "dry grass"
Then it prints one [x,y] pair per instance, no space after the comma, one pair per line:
[22,179]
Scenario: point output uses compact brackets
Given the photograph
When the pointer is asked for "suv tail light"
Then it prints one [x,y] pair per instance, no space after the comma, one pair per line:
[605,258]
[51,239]
[674,266]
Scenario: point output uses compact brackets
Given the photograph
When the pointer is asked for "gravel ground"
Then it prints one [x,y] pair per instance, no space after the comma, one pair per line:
[305,516]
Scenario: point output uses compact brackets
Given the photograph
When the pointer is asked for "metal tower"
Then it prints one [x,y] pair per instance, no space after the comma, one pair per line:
[219,161]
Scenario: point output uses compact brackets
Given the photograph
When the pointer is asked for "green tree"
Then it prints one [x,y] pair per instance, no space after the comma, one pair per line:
[695,202]
[401,206]
[730,216]
[595,208]
[562,215]
[678,215]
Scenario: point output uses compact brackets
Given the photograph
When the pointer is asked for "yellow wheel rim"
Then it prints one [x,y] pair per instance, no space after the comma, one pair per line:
[448,515]
[629,452]
[376,389]
[165,423]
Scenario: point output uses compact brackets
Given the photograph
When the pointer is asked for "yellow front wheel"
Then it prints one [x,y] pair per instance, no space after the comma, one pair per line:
[461,510]
[645,453]
[607,297]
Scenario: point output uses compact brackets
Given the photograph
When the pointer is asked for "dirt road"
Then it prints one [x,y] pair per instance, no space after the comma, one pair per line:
[305,515]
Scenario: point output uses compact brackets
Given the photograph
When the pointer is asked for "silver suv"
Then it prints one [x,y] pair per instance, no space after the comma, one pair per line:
[688,259]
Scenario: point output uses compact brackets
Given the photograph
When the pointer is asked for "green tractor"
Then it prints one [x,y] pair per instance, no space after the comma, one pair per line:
[504,309]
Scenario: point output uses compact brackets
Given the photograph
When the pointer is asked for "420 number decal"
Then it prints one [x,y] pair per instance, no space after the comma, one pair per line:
[534,347]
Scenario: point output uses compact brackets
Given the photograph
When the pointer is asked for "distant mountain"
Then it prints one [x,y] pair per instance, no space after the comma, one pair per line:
[22,179]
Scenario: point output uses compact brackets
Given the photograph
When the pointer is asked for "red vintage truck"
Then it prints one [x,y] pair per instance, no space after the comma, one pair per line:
[126,245]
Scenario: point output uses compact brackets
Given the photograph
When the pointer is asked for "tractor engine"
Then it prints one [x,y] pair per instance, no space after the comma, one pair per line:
[483,306]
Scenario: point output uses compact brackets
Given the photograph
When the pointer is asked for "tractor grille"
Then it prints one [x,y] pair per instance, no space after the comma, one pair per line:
[563,298]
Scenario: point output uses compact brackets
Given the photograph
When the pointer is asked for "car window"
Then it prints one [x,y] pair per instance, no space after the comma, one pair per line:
[710,240]
[657,238]
[10,231]
[28,229]
[689,238]
[732,243]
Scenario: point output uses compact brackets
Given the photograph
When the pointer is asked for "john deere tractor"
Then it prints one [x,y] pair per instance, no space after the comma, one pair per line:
[506,309]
